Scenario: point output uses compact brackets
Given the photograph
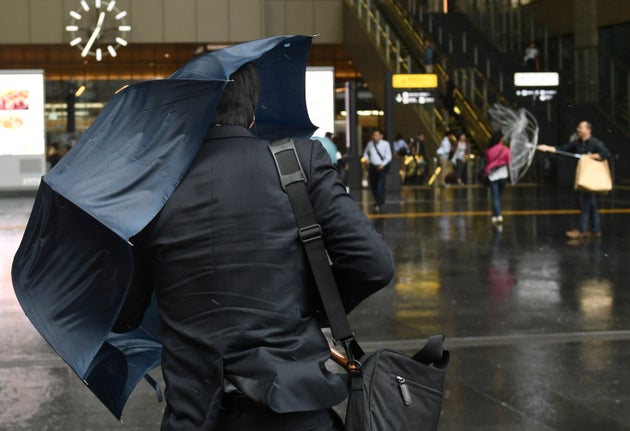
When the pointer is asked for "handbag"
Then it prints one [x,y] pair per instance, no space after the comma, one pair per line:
[593,175]
[392,391]
[388,390]
[498,173]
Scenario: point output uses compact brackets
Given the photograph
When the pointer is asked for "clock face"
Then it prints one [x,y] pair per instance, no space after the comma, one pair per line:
[98,28]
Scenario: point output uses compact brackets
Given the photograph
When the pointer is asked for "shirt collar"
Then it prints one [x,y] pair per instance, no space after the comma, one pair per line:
[220,132]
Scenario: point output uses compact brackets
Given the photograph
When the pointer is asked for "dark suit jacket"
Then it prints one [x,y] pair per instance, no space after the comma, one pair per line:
[235,292]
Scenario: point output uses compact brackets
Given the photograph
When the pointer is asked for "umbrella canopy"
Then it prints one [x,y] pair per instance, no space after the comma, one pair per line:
[74,265]
[520,130]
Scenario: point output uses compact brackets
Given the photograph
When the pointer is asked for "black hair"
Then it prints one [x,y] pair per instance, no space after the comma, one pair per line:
[496,137]
[238,102]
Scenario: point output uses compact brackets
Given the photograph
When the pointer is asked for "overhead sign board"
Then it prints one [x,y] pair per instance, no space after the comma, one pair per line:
[541,94]
[536,79]
[540,86]
[414,80]
[415,97]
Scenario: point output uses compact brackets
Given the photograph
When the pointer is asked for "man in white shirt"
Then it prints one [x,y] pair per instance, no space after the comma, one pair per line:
[378,154]
[443,154]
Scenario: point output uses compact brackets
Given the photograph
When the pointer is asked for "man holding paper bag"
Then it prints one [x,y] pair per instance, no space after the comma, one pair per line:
[588,146]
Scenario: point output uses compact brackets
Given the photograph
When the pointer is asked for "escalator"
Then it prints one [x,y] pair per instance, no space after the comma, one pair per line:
[380,40]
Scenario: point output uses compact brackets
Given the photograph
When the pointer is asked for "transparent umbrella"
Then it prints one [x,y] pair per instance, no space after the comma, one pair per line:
[520,131]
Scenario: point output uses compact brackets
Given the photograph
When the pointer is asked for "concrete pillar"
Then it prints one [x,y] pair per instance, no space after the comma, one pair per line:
[355,172]
[586,41]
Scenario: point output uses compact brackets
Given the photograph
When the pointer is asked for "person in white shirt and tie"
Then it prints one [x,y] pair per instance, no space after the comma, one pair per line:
[378,155]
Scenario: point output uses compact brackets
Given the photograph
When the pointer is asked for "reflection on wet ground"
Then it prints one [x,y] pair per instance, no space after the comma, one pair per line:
[538,326]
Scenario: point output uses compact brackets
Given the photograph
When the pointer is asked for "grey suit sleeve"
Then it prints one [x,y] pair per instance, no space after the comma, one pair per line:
[362,262]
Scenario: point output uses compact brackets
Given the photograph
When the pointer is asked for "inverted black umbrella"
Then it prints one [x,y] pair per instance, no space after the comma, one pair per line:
[74,265]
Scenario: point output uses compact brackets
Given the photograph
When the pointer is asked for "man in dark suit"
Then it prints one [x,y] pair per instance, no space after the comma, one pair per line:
[241,333]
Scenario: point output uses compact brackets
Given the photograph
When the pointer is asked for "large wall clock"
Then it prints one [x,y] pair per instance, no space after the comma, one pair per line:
[98,28]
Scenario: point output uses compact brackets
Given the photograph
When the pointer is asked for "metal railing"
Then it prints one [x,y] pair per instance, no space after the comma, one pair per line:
[511,29]
[382,35]
[397,59]
[476,93]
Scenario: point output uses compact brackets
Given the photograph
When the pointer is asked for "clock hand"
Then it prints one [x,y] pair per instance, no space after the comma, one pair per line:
[95,34]
[90,41]
[101,18]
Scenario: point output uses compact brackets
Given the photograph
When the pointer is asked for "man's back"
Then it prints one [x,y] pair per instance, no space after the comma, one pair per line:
[234,289]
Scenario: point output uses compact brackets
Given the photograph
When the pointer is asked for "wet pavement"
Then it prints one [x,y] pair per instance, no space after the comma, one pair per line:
[538,326]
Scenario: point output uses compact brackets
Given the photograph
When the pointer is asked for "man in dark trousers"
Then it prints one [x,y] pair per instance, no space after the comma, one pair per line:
[240,322]
[589,146]
[378,156]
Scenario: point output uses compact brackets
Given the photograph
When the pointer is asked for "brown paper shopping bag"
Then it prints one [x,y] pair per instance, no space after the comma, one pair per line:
[593,175]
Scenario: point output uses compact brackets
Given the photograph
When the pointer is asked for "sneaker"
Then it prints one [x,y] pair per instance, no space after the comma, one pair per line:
[500,219]
[495,220]
[377,209]
[573,234]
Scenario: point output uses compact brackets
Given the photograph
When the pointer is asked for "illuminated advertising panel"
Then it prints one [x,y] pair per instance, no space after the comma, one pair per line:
[320,98]
[21,113]
[22,128]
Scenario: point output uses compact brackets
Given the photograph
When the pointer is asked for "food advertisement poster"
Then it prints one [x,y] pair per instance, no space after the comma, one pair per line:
[22,127]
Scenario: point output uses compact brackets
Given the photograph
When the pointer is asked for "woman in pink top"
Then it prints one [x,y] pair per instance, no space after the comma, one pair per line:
[498,158]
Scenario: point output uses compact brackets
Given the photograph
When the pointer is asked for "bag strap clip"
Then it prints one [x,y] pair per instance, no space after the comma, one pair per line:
[310,233]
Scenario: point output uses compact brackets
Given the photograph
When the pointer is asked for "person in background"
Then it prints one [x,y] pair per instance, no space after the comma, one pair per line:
[401,151]
[589,146]
[53,155]
[498,158]
[459,158]
[418,150]
[448,100]
[532,58]
[443,154]
[330,147]
[419,145]
[377,155]
[429,57]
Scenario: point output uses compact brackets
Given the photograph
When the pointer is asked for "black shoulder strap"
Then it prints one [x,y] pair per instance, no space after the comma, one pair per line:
[374,145]
[293,181]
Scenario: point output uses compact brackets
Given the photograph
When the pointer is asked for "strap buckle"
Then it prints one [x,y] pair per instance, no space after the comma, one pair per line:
[287,162]
[310,233]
